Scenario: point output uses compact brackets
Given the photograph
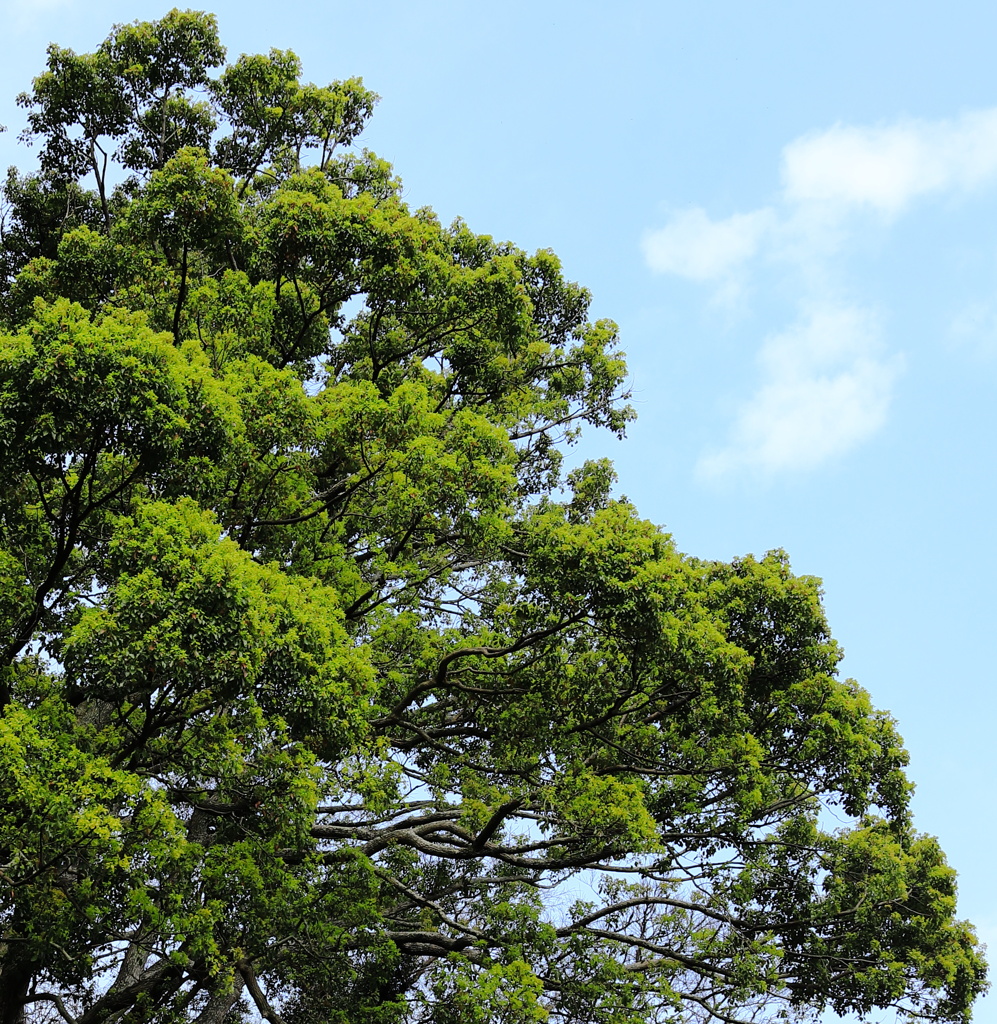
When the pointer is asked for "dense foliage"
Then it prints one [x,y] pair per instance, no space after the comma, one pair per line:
[326,695]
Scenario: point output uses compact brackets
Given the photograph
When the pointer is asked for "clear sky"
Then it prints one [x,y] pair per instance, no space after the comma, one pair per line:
[790,210]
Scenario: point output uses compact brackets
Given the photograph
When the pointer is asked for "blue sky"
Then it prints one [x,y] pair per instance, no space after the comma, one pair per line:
[790,210]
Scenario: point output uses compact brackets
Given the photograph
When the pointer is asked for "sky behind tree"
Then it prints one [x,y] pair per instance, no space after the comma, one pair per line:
[790,212]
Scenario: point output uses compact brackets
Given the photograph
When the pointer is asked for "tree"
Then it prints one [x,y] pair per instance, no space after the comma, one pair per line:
[327,695]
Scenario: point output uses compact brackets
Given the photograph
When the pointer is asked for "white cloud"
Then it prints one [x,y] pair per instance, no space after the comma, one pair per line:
[826,383]
[886,167]
[825,389]
[693,246]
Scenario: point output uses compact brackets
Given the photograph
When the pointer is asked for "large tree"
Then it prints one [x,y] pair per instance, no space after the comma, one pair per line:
[326,695]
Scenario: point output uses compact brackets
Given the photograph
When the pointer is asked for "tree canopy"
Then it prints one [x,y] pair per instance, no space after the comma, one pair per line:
[328,695]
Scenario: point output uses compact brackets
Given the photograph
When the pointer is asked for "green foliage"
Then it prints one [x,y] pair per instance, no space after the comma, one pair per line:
[325,696]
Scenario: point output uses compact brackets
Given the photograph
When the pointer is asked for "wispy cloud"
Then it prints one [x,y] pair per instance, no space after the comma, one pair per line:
[888,166]
[825,387]
[826,380]
[693,246]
